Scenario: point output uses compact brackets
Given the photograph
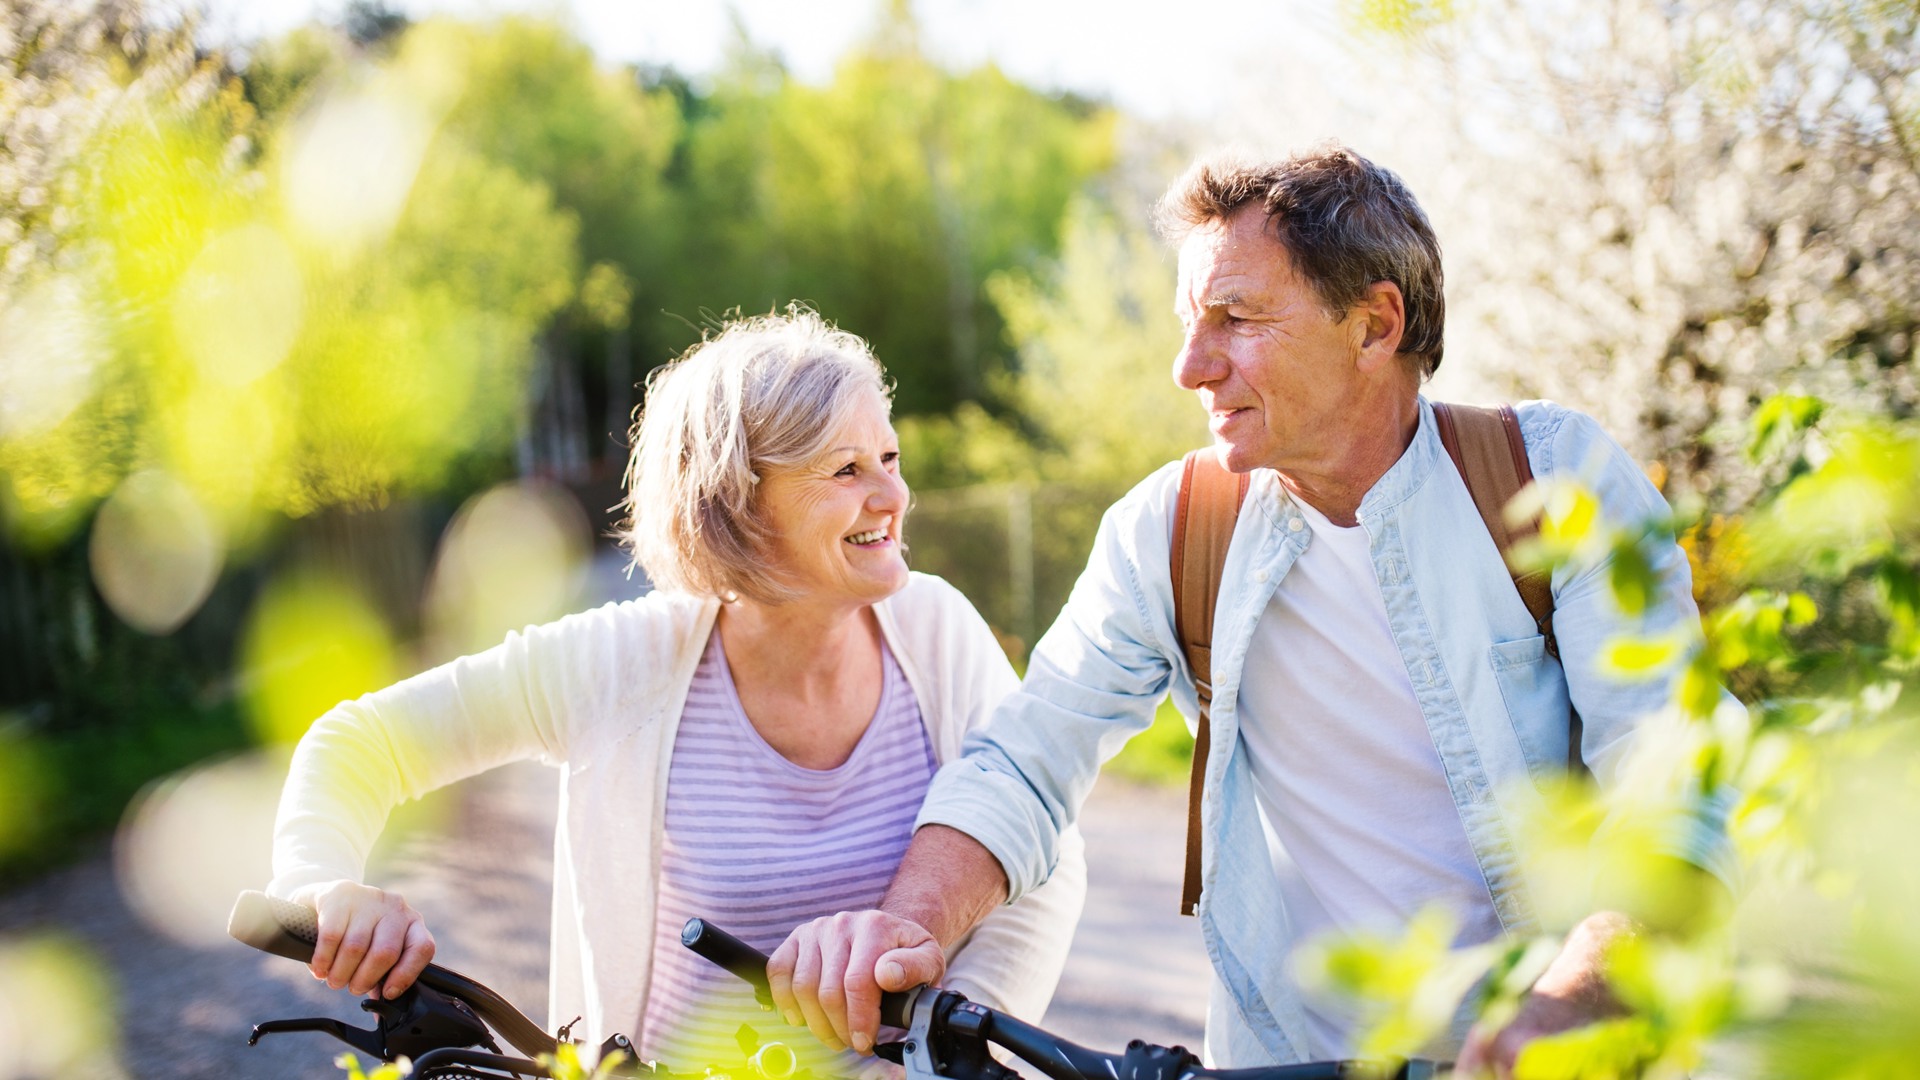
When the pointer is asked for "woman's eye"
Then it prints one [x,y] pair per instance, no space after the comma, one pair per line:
[891,457]
[847,470]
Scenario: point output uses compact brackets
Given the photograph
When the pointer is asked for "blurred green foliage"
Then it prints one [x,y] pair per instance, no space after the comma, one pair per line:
[1163,754]
[1813,972]
[886,198]
[265,325]
[1094,411]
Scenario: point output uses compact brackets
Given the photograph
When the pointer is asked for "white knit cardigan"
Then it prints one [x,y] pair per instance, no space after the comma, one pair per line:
[599,695]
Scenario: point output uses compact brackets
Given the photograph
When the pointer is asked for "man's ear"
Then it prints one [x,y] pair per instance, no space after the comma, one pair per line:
[1380,321]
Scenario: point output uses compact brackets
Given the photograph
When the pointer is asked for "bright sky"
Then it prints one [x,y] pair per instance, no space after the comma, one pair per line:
[1153,57]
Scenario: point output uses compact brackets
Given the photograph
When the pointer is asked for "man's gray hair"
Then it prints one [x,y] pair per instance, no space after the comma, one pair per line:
[765,393]
[1346,223]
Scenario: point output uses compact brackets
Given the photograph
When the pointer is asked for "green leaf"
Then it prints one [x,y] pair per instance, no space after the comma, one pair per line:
[1631,576]
[1401,18]
[1801,610]
[1570,515]
[1700,691]
[1752,629]
[1899,588]
[1610,1050]
[1778,420]
[1639,659]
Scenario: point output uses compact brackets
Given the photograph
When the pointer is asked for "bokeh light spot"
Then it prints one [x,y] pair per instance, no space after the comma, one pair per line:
[237,309]
[50,347]
[191,842]
[514,555]
[312,644]
[56,1011]
[353,163]
[154,551]
[22,787]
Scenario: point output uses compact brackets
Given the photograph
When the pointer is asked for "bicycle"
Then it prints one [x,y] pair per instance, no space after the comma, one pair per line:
[445,1024]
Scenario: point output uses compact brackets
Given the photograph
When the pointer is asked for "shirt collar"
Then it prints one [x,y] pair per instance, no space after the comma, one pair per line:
[1409,472]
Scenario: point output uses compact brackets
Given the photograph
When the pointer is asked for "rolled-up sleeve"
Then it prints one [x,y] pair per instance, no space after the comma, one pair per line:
[1094,681]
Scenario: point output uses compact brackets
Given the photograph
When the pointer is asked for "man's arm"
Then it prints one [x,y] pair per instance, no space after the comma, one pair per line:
[1574,991]
[830,973]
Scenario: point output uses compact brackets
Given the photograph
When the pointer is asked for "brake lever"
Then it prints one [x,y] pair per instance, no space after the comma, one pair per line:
[419,1020]
[916,1050]
[365,1040]
[946,1039]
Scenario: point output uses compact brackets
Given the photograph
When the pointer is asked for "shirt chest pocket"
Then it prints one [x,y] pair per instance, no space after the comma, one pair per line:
[1535,692]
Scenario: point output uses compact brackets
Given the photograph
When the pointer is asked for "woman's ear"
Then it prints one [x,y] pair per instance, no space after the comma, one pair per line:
[1381,315]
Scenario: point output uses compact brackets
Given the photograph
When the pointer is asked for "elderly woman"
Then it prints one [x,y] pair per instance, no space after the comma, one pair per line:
[749,743]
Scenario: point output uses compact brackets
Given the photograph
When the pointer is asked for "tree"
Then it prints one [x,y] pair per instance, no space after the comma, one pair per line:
[78,76]
[886,199]
[1678,210]
[216,323]
[1093,410]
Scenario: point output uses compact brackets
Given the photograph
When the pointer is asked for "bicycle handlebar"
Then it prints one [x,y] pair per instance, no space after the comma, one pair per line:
[287,929]
[1060,1059]
[946,1033]
[750,964]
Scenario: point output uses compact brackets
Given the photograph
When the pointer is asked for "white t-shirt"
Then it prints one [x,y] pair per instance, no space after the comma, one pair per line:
[1361,826]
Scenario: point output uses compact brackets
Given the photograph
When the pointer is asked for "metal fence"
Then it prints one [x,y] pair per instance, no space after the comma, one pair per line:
[59,641]
[1014,549]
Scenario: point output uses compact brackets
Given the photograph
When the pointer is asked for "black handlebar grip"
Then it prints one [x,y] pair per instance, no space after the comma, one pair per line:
[730,953]
[894,1005]
[273,925]
[749,963]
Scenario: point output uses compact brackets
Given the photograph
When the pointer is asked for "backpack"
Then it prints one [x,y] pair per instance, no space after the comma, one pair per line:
[1485,445]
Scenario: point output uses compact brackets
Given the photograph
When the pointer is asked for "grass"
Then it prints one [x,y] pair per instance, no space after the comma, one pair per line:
[81,781]
[1162,754]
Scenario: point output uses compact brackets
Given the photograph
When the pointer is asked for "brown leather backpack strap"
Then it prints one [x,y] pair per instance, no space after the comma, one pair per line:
[1485,445]
[1203,522]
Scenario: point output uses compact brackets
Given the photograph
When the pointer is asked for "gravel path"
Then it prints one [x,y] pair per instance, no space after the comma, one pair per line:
[183,1011]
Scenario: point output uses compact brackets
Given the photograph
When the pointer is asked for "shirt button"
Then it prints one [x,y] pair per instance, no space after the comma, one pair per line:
[1295,525]
[1260,576]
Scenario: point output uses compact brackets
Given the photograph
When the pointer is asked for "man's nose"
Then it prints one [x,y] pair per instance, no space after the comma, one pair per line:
[1198,362]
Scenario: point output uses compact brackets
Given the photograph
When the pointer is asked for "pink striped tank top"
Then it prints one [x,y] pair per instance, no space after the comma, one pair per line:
[757,845]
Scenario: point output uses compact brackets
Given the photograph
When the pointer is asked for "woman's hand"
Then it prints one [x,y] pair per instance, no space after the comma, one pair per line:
[368,938]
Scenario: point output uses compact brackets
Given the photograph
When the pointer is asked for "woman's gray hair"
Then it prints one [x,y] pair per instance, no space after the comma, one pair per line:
[764,393]
[1345,222]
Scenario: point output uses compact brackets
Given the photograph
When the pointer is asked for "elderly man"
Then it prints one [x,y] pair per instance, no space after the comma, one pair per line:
[1381,693]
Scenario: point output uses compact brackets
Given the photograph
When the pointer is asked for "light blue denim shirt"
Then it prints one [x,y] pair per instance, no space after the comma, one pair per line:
[1495,703]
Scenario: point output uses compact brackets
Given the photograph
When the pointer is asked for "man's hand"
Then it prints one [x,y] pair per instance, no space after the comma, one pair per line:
[829,973]
[368,938]
[1572,993]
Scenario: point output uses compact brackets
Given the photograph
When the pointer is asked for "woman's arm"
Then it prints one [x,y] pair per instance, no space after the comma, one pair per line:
[518,700]
[364,757]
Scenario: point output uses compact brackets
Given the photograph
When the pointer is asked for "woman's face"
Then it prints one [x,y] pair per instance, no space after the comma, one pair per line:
[837,520]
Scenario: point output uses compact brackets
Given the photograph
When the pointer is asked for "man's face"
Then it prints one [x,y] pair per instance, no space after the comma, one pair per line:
[1276,374]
